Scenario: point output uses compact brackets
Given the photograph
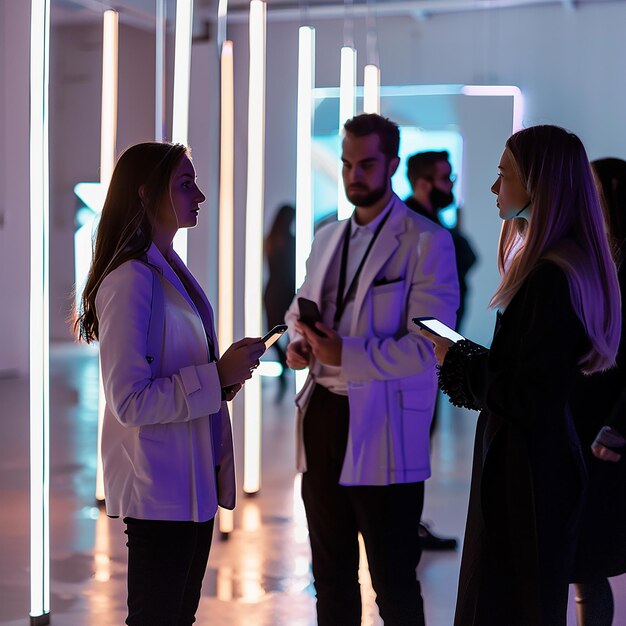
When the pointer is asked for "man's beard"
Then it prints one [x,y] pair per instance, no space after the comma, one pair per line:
[440,199]
[370,198]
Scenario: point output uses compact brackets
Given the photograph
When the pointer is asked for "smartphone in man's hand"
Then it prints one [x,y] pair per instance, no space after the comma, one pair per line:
[310,314]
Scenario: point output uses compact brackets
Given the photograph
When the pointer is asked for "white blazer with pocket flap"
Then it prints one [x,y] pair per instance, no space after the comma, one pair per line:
[390,368]
[157,447]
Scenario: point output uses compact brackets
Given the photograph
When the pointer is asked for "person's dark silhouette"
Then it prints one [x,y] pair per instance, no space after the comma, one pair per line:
[431,179]
[280,252]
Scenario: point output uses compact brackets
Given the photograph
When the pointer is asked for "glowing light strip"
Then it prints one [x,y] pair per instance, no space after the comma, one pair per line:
[304,186]
[108,133]
[347,110]
[254,239]
[39,356]
[222,12]
[271,369]
[108,123]
[396,90]
[226,270]
[501,90]
[304,166]
[371,89]
[159,75]
[180,108]
[226,200]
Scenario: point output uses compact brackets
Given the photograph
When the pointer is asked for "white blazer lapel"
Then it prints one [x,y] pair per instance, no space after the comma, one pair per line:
[204,308]
[201,303]
[156,258]
[326,256]
[385,245]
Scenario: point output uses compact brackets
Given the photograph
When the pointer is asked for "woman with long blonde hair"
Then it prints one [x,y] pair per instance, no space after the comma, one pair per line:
[558,315]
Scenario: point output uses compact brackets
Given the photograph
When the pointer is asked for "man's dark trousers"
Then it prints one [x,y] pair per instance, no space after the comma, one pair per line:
[386,516]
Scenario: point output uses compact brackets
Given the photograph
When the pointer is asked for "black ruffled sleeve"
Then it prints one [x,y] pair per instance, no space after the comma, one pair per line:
[452,373]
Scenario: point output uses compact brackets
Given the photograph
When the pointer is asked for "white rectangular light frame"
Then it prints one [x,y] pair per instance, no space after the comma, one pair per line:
[253,287]
[182,79]
[39,355]
[347,110]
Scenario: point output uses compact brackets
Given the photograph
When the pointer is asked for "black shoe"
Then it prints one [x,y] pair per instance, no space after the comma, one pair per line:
[430,541]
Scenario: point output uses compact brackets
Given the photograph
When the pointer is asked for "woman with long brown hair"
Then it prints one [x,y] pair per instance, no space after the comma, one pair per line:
[599,409]
[166,438]
[559,315]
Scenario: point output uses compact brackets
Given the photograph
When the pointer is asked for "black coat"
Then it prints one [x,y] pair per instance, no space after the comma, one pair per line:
[598,400]
[528,477]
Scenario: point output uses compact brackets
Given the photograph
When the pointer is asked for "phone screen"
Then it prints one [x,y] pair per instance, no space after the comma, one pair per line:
[274,335]
[436,327]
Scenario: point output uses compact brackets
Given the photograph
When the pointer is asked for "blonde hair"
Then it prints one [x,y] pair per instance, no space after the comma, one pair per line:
[567,228]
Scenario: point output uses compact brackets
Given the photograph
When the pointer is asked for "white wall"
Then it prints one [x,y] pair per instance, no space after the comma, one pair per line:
[14,185]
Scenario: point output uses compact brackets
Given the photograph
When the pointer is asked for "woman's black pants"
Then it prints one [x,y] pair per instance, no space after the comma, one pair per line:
[166,564]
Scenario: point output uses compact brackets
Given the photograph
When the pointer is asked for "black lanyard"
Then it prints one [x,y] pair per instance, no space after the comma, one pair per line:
[342,296]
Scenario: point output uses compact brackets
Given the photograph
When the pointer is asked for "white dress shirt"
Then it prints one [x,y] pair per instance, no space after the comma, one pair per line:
[360,237]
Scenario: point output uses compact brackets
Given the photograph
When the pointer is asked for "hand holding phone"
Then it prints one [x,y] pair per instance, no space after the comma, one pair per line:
[238,362]
[310,314]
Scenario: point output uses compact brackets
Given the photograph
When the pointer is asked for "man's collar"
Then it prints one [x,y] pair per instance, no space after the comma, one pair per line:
[373,225]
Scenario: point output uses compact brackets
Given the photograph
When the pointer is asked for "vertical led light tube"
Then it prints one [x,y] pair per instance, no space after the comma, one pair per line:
[108,120]
[39,356]
[371,89]
[182,78]
[254,239]
[347,109]
[304,185]
[159,74]
[108,135]
[226,235]
[304,167]
[222,14]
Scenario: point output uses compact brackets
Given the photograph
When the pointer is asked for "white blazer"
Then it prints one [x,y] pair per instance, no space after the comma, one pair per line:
[390,368]
[157,447]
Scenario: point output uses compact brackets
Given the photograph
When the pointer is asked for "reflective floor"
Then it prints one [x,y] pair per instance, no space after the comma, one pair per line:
[259,576]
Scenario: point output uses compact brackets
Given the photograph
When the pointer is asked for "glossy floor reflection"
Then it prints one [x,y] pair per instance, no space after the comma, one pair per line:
[259,576]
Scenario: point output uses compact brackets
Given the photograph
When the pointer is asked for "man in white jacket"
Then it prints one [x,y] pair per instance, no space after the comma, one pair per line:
[364,412]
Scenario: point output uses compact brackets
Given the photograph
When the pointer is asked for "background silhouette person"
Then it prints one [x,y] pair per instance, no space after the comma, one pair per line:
[280,252]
